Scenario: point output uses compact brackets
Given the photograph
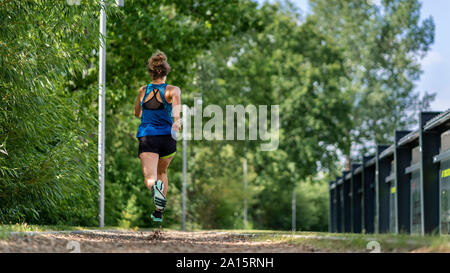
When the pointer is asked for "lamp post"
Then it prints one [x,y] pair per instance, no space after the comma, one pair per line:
[245,191]
[101,111]
[185,125]
[294,214]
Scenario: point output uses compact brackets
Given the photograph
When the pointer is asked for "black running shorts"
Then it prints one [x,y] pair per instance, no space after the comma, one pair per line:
[165,146]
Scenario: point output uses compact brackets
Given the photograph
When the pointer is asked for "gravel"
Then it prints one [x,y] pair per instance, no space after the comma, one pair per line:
[143,241]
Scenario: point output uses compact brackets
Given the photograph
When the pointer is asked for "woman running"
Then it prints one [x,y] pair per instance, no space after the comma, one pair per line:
[157,144]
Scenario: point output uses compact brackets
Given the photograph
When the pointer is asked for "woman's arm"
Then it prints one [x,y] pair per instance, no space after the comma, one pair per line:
[137,105]
[175,94]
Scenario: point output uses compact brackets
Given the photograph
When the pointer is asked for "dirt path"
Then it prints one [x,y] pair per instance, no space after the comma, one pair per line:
[145,241]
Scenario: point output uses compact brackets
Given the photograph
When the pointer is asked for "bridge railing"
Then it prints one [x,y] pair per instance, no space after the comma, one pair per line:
[403,188]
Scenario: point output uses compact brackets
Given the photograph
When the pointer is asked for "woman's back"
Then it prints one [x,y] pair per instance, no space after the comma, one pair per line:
[156,116]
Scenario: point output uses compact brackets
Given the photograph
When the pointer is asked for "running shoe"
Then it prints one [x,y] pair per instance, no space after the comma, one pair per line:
[158,197]
[157,216]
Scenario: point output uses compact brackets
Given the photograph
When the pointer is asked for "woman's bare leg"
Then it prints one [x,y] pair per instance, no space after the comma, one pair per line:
[163,164]
[149,162]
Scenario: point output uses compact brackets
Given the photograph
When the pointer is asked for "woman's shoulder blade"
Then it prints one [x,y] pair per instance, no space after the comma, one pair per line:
[172,87]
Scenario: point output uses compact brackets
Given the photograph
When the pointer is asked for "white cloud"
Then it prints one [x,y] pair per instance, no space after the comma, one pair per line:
[442,101]
[432,58]
[441,105]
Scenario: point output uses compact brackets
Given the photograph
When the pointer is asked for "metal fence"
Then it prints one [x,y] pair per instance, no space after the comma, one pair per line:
[402,188]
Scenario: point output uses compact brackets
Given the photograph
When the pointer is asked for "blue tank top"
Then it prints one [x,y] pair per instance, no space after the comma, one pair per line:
[156,121]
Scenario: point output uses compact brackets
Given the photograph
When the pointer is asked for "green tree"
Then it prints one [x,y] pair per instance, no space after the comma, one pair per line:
[47,159]
[382,45]
[302,74]
[312,205]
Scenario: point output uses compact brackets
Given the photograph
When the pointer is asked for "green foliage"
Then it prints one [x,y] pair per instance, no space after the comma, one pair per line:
[216,194]
[47,162]
[382,45]
[312,205]
[302,75]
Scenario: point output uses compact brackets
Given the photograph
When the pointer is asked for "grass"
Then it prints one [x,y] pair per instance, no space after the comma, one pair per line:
[345,242]
[6,229]
[349,242]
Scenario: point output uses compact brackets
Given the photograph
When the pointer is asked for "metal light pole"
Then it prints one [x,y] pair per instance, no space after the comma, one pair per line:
[101,111]
[184,132]
[101,114]
[294,220]
[245,191]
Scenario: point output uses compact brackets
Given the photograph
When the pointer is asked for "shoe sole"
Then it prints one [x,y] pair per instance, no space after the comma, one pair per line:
[156,219]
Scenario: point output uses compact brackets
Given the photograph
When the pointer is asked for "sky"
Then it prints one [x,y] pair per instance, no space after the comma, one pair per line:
[436,65]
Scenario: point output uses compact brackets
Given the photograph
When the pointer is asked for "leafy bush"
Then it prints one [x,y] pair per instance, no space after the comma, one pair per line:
[48,166]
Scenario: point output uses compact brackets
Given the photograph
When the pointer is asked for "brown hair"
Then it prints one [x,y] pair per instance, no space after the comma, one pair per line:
[157,65]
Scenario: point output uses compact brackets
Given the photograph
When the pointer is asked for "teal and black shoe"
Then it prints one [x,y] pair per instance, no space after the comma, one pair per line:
[157,216]
[158,197]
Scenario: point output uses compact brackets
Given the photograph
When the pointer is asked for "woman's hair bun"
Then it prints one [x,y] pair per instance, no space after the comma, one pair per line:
[158,59]
[158,66]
